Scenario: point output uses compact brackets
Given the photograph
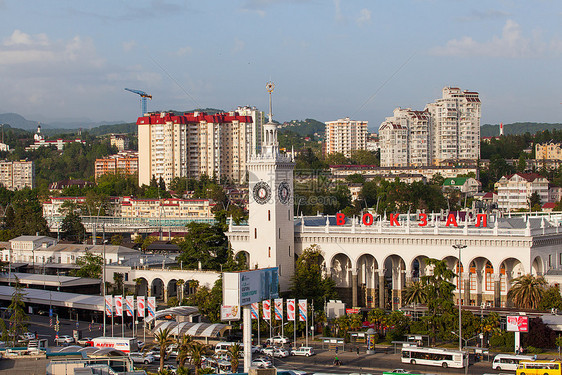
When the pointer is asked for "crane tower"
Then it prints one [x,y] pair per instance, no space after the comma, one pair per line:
[143,95]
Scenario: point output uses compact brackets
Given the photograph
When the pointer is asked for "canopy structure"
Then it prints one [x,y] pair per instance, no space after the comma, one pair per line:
[192,329]
[173,311]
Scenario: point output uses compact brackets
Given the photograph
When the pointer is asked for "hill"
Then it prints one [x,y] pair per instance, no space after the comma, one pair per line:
[305,128]
[517,128]
[17,121]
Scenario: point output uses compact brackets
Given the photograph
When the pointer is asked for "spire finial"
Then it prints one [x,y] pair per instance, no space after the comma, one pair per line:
[269,87]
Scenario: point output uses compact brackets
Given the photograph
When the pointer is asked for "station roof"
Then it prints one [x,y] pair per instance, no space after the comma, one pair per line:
[61,299]
[173,311]
[48,280]
[192,329]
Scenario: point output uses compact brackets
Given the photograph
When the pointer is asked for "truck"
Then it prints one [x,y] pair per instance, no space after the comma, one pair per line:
[126,345]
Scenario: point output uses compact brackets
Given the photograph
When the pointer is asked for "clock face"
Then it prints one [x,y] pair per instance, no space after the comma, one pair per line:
[284,192]
[262,192]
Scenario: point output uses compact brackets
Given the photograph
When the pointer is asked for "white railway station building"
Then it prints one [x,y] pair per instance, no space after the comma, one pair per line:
[373,264]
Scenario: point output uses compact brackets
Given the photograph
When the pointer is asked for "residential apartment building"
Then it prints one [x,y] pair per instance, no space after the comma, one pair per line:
[446,132]
[548,151]
[515,190]
[121,141]
[194,144]
[404,139]
[16,175]
[345,136]
[124,162]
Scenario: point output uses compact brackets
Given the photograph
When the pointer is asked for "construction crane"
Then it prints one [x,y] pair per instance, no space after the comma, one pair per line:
[143,96]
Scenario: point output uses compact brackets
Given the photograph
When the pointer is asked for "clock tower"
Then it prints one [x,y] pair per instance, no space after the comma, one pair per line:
[271,223]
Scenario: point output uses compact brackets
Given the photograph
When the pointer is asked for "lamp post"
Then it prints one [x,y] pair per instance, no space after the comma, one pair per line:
[459,248]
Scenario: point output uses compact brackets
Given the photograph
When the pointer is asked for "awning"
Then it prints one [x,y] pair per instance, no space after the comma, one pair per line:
[174,311]
[192,329]
[62,299]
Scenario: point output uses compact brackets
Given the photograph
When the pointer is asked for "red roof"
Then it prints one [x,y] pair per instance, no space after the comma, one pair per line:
[193,118]
[527,176]
[549,205]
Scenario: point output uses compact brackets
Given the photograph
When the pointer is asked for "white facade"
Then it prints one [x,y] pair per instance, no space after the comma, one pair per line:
[515,190]
[345,136]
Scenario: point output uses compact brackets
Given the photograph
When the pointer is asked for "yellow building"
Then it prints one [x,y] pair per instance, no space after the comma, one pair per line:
[548,151]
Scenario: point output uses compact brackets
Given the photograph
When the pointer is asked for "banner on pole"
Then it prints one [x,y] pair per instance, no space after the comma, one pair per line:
[140,306]
[130,305]
[302,310]
[118,305]
[278,309]
[291,310]
[151,306]
[108,305]
[266,309]
[254,310]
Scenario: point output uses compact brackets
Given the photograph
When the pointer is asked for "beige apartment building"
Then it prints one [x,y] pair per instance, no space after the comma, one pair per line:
[548,151]
[345,136]
[121,141]
[124,162]
[194,144]
[16,175]
[515,190]
[446,132]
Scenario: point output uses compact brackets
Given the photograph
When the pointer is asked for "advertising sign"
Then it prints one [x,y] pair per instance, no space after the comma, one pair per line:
[130,305]
[118,305]
[245,288]
[151,306]
[518,323]
[230,312]
[278,308]
[351,311]
[108,305]
[254,310]
[302,310]
[291,310]
[140,306]
[266,309]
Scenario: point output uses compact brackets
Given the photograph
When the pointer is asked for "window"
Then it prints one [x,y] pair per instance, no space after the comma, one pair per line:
[269,251]
[279,233]
[255,232]
[268,215]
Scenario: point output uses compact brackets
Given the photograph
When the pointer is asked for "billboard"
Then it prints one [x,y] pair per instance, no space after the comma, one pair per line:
[245,288]
[518,323]
[230,312]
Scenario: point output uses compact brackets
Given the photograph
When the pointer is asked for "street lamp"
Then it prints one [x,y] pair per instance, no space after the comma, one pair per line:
[459,247]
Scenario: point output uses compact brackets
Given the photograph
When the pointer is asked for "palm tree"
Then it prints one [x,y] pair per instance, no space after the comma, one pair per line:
[526,291]
[234,353]
[163,338]
[197,351]
[183,349]
[415,293]
[180,283]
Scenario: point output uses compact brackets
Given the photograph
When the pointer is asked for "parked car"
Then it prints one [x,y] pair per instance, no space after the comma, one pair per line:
[277,340]
[85,341]
[145,358]
[64,339]
[307,351]
[28,336]
[171,368]
[261,363]
[276,352]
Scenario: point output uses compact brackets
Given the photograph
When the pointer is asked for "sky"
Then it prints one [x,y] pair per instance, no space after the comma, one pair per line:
[328,59]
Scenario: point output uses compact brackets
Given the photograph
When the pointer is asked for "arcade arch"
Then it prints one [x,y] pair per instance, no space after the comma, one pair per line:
[157,289]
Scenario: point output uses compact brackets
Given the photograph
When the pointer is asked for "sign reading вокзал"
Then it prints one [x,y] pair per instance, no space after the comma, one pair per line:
[247,287]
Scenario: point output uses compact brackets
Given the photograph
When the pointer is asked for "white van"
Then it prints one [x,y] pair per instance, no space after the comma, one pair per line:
[222,347]
[509,362]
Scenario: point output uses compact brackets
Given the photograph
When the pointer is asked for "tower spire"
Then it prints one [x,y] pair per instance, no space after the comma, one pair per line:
[270,86]
[270,145]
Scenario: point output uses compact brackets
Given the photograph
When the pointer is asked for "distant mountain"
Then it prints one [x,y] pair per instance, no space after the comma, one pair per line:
[17,121]
[305,128]
[517,128]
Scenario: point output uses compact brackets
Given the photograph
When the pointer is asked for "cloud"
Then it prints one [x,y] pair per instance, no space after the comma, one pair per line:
[182,51]
[337,11]
[260,6]
[510,44]
[129,46]
[364,17]
[479,15]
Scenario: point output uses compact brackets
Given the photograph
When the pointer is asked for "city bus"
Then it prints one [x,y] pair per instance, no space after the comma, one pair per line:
[509,362]
[434,357]
[539,368]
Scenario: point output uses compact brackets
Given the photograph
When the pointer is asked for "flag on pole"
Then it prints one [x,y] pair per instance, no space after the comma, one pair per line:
[278,308]
[140,306]
[302,310]
[130,305]
[108,305]
[118,305]
[266,309]
[291,309]
[254,308]
[151,306]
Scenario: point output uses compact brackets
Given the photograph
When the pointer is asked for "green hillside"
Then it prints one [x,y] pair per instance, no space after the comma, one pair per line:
[305,128]
[517,128]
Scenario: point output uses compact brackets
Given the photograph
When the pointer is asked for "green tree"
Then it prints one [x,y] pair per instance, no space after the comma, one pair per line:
[197,351]
[18,317]
[234,352]
[116,239]
[205,244]
[535,200]
[118,283]
[308,280]
[184,343]
[163,338]
[91,266]
[72,227]
[439,290]
[551,299]
[527,291]
[415,293]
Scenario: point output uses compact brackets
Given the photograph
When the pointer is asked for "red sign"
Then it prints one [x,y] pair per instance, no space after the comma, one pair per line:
[351,311]
[518,323]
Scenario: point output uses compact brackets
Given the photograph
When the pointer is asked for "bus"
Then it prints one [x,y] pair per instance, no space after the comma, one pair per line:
[434,357]
[539,368]
[509,362]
